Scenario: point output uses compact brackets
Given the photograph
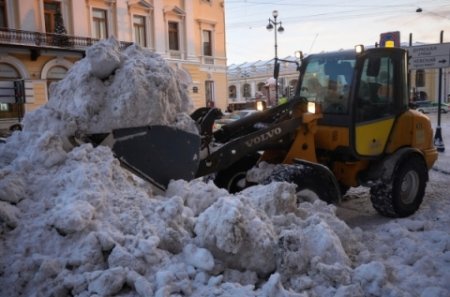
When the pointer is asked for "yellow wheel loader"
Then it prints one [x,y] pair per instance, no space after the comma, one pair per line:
[349,124]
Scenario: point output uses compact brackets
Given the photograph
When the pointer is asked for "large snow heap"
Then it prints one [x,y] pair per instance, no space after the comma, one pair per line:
[74,223]
[112,89]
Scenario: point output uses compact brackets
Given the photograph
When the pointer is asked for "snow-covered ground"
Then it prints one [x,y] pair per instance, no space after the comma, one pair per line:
[74,223]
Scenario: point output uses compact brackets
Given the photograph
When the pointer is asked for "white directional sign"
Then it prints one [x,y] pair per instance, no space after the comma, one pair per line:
[429,56]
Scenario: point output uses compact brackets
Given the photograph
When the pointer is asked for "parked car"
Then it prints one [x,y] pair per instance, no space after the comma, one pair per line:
[233,116]
[429,106]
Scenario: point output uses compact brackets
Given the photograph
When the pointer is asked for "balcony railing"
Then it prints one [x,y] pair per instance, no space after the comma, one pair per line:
[208,60]
[48,40]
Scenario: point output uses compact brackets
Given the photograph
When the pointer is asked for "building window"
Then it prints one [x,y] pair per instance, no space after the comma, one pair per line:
[246,91]
[260,86]
[3,19]
[207,44]
[174,43]
[100,23]
[10,109]
[51,9]
[420,78]
[140,32]
[209,93]
[232,92]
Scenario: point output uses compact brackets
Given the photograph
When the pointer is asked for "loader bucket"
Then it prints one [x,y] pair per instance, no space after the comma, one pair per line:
[158,154]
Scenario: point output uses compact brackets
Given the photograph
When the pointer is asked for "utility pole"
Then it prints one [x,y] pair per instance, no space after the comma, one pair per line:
[438,141]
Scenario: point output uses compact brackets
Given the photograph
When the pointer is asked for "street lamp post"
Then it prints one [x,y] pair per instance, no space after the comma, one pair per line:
[438,141]
[273,24]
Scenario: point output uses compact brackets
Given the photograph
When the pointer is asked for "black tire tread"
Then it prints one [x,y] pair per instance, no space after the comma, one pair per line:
[383,195]
[306,178]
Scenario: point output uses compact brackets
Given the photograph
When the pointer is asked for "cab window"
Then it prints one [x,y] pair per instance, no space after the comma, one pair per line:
[375,96]
[327,81]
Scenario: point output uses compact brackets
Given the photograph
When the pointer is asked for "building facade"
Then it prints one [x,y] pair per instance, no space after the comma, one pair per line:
[252,81]
[40,40]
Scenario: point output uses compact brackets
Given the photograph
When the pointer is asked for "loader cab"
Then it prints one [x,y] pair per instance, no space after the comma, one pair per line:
[381,95]
[360,96]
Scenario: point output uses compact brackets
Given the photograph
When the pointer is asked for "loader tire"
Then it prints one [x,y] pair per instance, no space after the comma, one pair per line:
[307,179]
[233,178]
[401,197]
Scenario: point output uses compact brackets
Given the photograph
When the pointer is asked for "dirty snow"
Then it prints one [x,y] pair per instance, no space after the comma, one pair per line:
[74,223]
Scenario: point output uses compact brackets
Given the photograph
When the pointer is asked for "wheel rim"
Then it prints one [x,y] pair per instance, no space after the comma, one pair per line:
[409,187]
[237,182]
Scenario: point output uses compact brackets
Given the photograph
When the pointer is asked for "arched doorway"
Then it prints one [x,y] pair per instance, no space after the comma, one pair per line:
[54,74]
[55,70]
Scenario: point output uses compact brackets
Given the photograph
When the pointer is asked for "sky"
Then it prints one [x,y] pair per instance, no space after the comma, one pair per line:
[326,25]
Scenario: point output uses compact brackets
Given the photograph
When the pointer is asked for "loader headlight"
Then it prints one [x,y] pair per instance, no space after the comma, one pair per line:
[311,107]
[359,49]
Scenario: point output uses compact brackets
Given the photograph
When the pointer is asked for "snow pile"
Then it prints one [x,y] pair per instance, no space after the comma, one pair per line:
[113,89]
[74,223]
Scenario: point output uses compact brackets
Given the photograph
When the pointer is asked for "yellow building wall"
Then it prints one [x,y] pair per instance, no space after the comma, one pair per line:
[221,91]
[40,95]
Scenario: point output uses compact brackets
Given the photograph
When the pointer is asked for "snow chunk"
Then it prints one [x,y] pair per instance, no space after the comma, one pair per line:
[314,241]
[274,287]
[73,217]
[12,186]
[275,198]
[9,214]
[104,58]
[237,234]
[372,277]
[107,282]
[198,257]
[197,195]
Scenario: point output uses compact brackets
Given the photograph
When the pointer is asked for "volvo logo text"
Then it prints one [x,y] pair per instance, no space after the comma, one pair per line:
[266,136]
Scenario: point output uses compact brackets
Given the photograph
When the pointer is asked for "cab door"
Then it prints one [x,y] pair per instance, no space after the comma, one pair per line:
[378,100]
